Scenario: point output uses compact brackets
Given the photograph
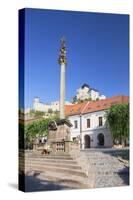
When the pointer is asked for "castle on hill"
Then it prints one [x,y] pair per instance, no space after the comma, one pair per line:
[85,92]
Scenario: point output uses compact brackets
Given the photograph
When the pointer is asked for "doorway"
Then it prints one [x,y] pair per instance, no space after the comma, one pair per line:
[100,138]
[87,141]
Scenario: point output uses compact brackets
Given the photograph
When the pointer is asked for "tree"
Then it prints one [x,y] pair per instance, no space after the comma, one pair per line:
[36,129]
[50,111]
[32,113]
[118,122]
[80,100]
[39,127]
[97,99]
[89,99]
[56,114]
[37,113]
[74,99]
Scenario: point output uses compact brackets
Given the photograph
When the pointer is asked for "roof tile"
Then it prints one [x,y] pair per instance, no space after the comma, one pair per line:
[93,106]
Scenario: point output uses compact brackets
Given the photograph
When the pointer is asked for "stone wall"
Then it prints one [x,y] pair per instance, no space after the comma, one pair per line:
[82,160]
[61,133]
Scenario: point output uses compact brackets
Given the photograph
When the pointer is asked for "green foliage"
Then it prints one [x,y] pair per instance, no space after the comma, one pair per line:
[124,154]
[118,121]
[74,99]
[97,99]
[80,101]
[89,99]
[32,112]
[37,113]
[37,128]
[50,111]
[56,112]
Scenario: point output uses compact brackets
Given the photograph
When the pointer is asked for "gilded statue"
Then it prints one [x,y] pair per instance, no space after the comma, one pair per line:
[62,56]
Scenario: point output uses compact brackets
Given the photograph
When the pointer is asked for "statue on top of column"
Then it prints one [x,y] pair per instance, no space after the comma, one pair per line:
[62,57]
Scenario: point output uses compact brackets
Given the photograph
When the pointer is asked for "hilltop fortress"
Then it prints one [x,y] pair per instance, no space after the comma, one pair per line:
[85,92]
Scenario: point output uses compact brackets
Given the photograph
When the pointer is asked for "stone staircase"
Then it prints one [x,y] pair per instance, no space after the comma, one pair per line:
[108,168]
[61,170]
[91,168]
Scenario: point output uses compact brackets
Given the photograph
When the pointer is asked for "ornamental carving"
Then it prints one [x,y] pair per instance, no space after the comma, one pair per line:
[62,56]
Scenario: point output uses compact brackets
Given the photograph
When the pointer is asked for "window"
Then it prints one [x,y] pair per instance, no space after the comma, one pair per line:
[100,121]
[88,123]
[75,124]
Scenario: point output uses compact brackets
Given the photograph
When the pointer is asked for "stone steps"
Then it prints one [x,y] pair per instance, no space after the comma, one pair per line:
[74,181]
[52,164]
[51,157]
[56,169]
[59,158]
[65,170]
[37,153]
[69,182]
[49,160]
[105,169]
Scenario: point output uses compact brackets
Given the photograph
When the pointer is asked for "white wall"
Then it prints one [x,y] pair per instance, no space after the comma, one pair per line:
[94,94]
[75,131]
[94,120]
[94,129]
[39,106]
[94,134]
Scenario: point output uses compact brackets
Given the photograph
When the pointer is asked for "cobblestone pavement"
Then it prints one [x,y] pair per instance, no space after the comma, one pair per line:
[109,169]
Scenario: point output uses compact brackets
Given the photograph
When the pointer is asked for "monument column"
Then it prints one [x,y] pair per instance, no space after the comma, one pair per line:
[62,61]
[59,130]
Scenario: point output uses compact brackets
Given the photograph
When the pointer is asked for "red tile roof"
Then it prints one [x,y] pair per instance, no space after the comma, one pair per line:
[93,106]
[74,109]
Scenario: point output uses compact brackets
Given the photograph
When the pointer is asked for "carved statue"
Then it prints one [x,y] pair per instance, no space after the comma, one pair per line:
[52,125]
[62,56]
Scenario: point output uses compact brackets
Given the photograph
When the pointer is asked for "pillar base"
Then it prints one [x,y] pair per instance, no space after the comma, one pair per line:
[59,136]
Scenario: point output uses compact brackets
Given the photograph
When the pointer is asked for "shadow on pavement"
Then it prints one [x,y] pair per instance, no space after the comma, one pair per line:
[34,184]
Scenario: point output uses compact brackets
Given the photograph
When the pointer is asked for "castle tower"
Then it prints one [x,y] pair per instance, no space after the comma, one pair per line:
[62,61]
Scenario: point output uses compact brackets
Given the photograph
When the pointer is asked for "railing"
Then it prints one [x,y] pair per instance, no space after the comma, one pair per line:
[60,146]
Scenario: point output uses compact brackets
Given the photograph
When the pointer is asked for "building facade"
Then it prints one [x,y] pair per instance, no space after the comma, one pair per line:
[54,106]
[86,92]
[89,122]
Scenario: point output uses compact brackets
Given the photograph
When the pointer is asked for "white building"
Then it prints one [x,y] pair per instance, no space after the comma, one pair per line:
[86,92]
[39,106]
[89,122]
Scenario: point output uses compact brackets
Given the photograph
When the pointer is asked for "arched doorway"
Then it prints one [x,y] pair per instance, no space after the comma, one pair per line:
[87,141]
[100,139]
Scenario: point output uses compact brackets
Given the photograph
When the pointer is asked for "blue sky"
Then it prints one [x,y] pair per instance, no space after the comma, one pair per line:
[97,53]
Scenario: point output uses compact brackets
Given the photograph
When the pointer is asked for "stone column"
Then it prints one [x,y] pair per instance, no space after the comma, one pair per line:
[62,91]
[62,61]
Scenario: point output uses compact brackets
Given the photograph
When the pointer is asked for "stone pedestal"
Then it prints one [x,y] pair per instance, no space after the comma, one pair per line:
[59,136]
[67,146]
